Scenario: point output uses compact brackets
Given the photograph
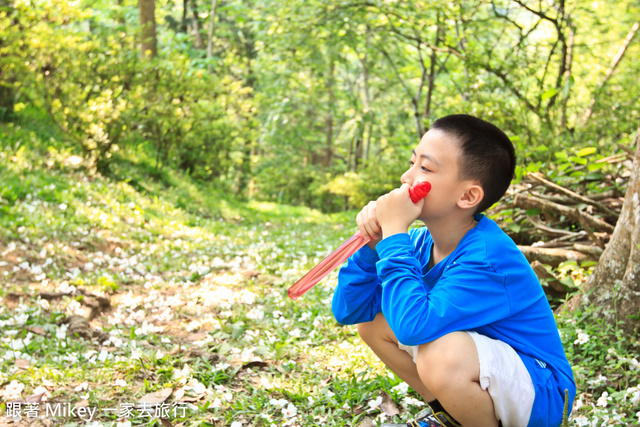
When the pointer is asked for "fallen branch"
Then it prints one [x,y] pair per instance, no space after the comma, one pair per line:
[554,198]
[572,194]
[588,249]
[560,241]
[532,202]
[592,235]
[547,278]
[549,231]
[553,256]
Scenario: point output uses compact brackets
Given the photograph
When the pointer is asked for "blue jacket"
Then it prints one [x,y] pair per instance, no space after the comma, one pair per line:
[485,285]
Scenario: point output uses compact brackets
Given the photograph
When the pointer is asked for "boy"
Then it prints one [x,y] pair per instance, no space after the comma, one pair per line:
[453,308]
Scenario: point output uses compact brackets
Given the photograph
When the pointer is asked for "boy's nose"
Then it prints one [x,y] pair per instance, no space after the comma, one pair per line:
[406,178]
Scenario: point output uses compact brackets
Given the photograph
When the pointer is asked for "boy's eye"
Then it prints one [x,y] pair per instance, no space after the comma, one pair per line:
[423,168]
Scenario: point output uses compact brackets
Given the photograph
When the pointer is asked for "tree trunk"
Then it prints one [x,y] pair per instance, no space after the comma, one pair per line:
[185,12]
[567,74]
[330,85]
[148,40]
[367,111]
[431,84]
[614,286]
[7,96]
[212,23]
[199,42]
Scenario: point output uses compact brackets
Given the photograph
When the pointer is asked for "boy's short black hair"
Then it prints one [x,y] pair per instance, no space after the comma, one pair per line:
[487,154]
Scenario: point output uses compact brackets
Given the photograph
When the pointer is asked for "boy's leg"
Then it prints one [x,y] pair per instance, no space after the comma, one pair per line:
[380,338]
[447,369]
[450,368]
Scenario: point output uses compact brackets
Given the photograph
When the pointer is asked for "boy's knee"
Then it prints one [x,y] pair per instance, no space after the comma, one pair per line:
[377,328]
[366,331]
[451,356]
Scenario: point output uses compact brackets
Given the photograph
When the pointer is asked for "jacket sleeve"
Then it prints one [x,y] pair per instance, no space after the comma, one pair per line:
[469,294]
[357,297]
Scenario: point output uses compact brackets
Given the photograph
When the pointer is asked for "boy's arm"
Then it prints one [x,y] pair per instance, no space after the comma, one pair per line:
[358,296]
[469,294]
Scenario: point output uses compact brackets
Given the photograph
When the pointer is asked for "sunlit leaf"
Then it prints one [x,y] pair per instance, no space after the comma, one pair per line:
[586,151]
[548,94]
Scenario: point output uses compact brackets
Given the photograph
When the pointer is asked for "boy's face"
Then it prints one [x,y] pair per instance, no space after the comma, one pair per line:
[436,159]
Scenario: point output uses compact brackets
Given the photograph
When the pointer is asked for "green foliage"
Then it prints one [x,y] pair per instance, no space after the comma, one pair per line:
[605,366]
[298,98]
[79,66]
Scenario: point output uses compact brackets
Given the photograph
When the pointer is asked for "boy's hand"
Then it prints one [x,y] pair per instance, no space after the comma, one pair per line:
[395,211]
[368,224]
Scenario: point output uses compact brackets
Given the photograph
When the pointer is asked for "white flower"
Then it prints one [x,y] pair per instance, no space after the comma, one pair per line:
[83,386]
[247,297]
[410,401]
[193,326]
[601,379]
[255,314]
[120,383]
[61,333]
[374,404]
[197,386]
[236,424]
[295,333]
[401,388]
[577,404]
[182,373]
[44,304]
[266,383]
[290,411]
[306,315]
[116,341]
[635,394]
[13,390]
[278,402]
[603,400]
[103,356]
[582,338]
[221,366]
[634,364]
[581,421]
[126,423]
[62,206]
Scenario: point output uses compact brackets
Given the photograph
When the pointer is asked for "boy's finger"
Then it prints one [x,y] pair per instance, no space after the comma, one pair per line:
[404,188]
[360,223]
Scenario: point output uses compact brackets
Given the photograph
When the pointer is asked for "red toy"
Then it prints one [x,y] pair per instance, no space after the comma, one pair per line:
[348,248]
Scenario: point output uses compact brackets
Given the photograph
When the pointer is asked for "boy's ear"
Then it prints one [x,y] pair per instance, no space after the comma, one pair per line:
[471,197]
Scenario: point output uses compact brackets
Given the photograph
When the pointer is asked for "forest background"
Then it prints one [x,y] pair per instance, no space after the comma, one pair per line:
[257,114]
[317,103]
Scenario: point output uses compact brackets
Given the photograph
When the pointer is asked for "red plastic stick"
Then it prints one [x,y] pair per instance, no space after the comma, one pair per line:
[348,248]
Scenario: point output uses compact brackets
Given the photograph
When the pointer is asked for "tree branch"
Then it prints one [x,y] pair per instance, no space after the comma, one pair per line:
[537,12]
[614,63]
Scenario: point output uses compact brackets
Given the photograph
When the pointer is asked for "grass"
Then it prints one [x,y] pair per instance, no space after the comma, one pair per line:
[198,319]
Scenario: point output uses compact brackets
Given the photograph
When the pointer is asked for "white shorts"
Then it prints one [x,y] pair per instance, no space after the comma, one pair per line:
[504,376]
